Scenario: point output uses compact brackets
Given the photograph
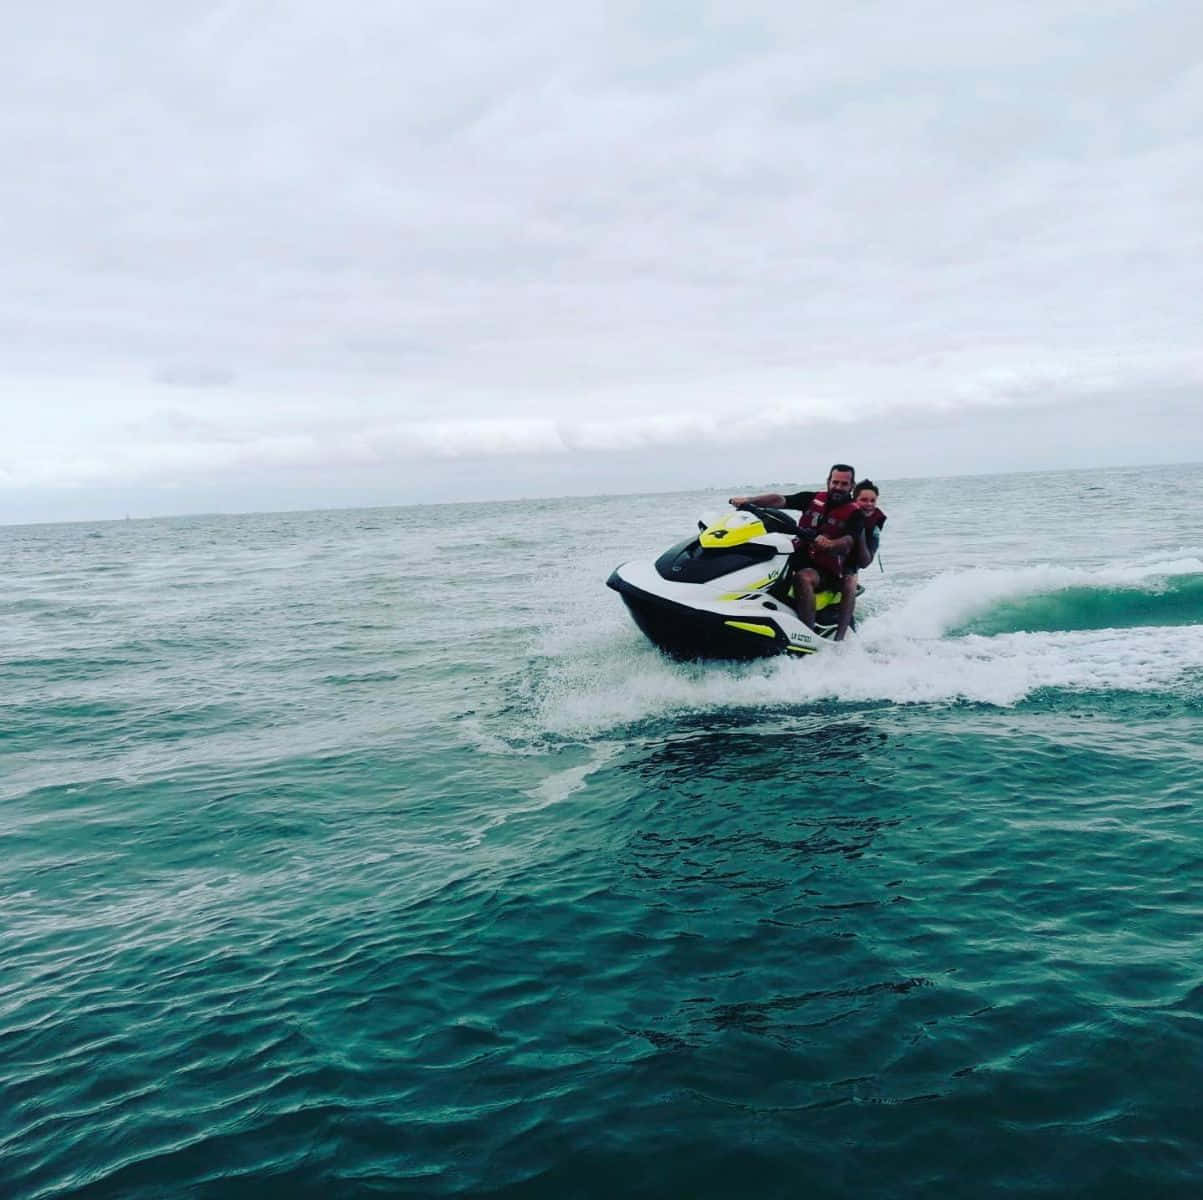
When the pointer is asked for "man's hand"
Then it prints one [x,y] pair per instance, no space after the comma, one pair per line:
[737,501]
[840,545]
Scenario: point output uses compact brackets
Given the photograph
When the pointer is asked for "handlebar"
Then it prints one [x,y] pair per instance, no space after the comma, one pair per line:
[774,519]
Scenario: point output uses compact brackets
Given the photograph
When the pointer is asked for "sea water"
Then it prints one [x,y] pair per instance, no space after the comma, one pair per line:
[376,853]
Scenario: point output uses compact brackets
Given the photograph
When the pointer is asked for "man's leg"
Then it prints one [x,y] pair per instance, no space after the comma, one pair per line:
[804,595]
[847,605]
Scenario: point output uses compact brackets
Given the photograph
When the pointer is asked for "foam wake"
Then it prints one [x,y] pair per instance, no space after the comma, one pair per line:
[1050,599]
[987,637]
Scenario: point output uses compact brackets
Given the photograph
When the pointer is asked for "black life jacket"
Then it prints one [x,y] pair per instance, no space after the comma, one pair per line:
[874,523]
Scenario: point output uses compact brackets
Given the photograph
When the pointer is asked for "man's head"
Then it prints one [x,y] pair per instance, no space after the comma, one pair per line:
[839,483]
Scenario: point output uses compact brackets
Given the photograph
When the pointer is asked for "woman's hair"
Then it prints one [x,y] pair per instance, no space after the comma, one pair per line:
[863,485]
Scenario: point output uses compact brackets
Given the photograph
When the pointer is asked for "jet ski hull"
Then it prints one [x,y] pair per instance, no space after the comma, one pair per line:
[748,626]
[719,595]
[685,632]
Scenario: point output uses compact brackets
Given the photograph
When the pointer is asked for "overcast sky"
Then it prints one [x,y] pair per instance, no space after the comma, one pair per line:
[287,253]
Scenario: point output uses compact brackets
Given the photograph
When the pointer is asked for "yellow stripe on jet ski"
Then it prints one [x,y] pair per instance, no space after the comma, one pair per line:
[732,530]
[747,593]
[800,649]
[748,627]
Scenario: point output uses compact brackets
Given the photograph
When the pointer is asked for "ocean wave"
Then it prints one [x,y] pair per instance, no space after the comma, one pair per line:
[1051,598]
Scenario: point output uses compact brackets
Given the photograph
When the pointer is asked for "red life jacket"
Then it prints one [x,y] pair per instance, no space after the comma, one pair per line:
[832,523]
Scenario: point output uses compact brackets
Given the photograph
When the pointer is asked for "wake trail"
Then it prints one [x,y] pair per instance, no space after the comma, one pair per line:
[915,650]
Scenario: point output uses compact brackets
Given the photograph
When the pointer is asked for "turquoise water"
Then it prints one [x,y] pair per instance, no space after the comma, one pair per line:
[374,853]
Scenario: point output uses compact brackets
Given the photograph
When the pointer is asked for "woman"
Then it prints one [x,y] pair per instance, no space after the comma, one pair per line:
[864,496]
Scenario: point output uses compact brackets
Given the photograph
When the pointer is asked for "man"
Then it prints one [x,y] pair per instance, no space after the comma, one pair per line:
[828,531]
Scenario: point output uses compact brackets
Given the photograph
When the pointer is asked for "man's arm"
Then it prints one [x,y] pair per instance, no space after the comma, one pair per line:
[769,499]
[840,545]
[798,500]
[848,542]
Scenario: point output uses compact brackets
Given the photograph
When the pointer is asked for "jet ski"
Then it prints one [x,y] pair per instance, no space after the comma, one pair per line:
[726,593]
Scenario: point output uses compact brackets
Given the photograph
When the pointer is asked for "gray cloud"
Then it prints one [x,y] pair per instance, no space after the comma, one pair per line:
[371,235]
[193,375]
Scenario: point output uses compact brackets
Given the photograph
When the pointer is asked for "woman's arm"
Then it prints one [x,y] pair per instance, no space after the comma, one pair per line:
[866,545]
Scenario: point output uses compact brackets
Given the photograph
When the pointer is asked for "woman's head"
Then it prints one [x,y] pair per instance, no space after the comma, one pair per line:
[865,494]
